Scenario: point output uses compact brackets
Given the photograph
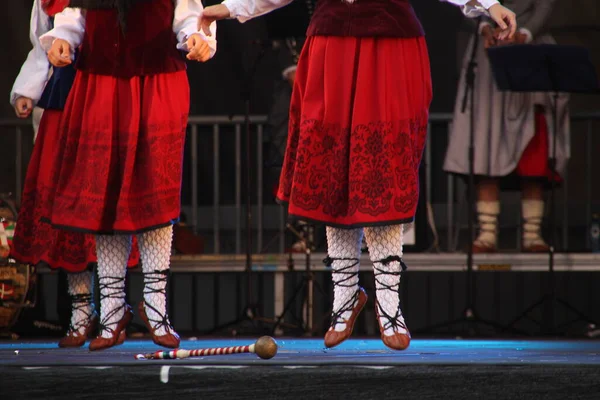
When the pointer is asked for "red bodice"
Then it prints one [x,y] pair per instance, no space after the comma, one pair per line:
[365,18]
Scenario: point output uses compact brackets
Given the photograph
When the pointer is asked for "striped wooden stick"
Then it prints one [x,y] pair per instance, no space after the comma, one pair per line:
[182,353]
[265,347]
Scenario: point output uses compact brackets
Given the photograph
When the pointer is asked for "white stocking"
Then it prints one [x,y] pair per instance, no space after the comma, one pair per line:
[82,305]
[343,247]
[385,250]
[113,253]
[155,250]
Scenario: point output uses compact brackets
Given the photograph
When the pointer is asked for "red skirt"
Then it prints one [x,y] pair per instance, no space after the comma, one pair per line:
[534,160]
[36,241]
[358,124]
[119,166]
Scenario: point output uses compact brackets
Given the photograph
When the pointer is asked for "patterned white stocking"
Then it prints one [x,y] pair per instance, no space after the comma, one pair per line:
[82,306]
[155,250]
[343,246]
[113,253]
[385,250]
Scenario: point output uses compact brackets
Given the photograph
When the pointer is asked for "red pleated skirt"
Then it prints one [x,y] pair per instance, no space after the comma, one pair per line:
[534,160]
[120,160]
[36,241]
[358,124]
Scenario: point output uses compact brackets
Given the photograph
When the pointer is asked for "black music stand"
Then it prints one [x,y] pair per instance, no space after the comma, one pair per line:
[556,69]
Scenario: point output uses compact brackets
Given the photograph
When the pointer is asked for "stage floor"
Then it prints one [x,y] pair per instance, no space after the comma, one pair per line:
[359,368]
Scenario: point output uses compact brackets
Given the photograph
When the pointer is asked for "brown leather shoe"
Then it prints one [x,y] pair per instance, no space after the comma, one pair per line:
[74,339]
[537,248]
[100,343]
[397,341]
[482,248]
[170,339]
[333,337]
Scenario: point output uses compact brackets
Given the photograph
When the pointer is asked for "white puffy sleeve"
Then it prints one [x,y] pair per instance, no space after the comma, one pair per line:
[244,10]
[185,23]
[69,25]
[34,73]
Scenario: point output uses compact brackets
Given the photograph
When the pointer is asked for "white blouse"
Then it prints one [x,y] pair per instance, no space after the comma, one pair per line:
[244,10]
[35,70]
[69,25]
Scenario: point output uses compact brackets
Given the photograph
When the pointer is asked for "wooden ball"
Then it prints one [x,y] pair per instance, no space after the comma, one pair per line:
[265,347]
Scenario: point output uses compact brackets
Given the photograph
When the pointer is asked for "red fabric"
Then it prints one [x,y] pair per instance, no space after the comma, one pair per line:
[36,241]
[53,7]
[147,48]
[534,160]
[365,18]
[120,159]
[358,123]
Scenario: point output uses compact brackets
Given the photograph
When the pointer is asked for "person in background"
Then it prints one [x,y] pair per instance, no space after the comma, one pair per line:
[39,87]
[358,120]
[513,133]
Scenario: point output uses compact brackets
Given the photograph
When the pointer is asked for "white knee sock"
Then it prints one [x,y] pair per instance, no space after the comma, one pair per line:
[532,213]
[343,247]
[487,215]
[82,305]
[155,250]
[385,250]
[113,253]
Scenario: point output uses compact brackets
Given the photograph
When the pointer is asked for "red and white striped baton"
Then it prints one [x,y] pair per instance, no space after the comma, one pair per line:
[265,347]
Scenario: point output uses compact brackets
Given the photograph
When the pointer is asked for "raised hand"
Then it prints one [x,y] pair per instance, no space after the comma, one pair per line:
[59,54]
[506,21]
[199,49]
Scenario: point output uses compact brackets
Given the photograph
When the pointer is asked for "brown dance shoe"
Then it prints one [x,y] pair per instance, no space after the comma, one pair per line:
[480,247]
[537,248]
[397,341]
[75,339]
[100,343]
[333,337]
[169,339]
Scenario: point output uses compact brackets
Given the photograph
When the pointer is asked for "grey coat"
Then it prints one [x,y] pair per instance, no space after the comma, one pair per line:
[504,121]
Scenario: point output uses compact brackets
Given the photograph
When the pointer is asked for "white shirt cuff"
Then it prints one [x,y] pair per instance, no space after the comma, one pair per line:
[233,8]
[488,3]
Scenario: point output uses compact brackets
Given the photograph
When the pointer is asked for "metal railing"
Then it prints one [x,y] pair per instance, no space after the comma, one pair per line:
[222,216]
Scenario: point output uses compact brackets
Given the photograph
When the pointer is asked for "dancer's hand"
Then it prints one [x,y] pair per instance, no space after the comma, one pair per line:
[211,14]
[489,39]
[505,19]
[199,49]
[518,38]
[59,54]
[23,106]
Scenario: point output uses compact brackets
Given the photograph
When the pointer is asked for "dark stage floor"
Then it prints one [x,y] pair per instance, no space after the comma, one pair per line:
[303,369]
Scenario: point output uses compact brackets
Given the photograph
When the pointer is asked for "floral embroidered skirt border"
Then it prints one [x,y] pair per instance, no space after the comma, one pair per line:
[358,125]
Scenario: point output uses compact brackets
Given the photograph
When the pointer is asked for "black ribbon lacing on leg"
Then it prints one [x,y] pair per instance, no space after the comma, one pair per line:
[395,321]
[347,275]
[81,302]
[117,287]
[151,278]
